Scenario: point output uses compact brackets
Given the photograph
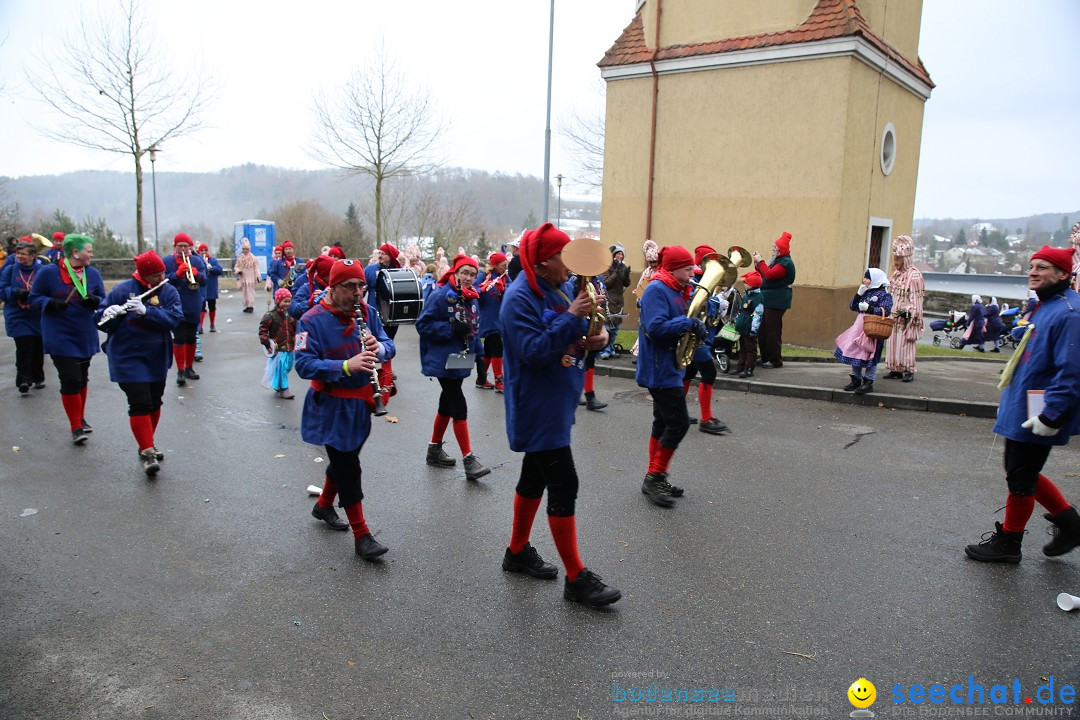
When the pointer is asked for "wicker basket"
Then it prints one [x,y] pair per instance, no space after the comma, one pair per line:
[877,327]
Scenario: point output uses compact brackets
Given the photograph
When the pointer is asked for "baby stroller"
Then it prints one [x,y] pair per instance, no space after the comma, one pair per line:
[955,323]
[725,345]
[1009,317]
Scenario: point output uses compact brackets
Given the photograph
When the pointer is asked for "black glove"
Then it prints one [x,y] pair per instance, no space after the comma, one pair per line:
[55,305]
[90,302]
[698,328]
[21,293]
[459,328]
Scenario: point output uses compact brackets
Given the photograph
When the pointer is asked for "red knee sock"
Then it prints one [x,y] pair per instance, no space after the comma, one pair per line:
[355,513]
[663,458]
[154,417]
[686,387]
[142,427]
[704,396]
[73,409]
[213,318]
[589,380]
[564,531]
[1048,495]
[524,514]
[179,353]
[329,493]
[82,407]
[496,365]
[202,315]
[441,423]
[461,432]
[190,355]
[1017,512]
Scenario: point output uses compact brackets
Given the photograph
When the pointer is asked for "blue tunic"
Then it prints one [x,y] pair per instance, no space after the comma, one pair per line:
[20,317]
[663,321]
[190,300]
[139,348]
[490,302]
[437,338]
[70,332]
[212,274]
[1049,363]
[541,393]
[321,348]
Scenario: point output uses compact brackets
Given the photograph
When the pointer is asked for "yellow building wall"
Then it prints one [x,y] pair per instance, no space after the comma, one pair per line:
[897,22]
[684,22]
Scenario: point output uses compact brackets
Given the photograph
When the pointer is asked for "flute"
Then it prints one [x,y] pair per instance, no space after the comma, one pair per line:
[361,326]
[123,308]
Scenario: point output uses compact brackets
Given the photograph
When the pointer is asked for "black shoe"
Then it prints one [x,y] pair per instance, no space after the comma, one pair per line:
[474,469]
[676,491]
[190,374]
[894,375]
[158,454]
[997,546]
[329,516]
[589,590]
[770,365]
[908,377]
[369,548]
[746,374]
[149,462]
[1066,532]
[856,382]
[437,457]
[180,379]
[713,427]
[581,401]
[39,385]
[79,436]
[249,310]
[980,348]
[693,420]
[995,350]
[86,427]
[866,387]
[483,384]
[529,562]
[213,329]
[592,403]
[658,490]
[24,388]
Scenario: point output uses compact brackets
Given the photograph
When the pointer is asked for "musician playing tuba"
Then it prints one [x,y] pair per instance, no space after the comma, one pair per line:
[701,362]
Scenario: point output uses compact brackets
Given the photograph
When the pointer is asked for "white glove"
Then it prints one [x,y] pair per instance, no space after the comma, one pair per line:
[1037,426]
[135,305]
[864,306]
[112,311]
[861,290]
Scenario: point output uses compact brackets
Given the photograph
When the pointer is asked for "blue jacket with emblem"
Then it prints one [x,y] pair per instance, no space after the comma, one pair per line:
[663,321]
[70,331]
[139,347]
[435,326]
[190,300]
[20,317]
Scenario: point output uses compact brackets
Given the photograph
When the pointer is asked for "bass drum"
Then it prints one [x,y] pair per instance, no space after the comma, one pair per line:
[397,294]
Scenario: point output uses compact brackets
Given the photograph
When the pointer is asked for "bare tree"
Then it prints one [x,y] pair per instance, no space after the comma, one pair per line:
[586,136]
[377,125]
[309,225]
[114,93]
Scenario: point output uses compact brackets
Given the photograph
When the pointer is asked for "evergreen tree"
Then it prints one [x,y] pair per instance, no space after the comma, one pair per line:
[960,239]
[531,221]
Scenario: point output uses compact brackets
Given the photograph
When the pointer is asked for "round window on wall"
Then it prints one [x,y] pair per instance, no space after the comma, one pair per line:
[888,148]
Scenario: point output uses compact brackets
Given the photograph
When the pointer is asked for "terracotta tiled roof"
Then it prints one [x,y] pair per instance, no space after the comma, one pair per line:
[829,19]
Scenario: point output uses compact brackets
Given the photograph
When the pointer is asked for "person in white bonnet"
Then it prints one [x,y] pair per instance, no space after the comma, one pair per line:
[974,335]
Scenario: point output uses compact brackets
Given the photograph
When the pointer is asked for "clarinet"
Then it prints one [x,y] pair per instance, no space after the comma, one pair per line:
[361,326]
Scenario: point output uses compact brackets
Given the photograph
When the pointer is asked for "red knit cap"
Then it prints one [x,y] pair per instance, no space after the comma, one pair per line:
[537,246]
[783,243]
[336,252]
[182,238]
[203,247]
[496,258]
[1059,257]
[344,271]
[460,261]
[281,294]
[148,263]
[287,243]
[321,267]
[58,237]
[392,252]
[752,279]
[674,257]
[701,251]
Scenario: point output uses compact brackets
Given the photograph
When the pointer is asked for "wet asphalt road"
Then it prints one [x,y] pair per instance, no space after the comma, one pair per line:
[816,544]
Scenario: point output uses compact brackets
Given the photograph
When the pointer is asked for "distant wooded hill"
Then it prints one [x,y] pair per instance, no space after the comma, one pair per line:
[1029,225]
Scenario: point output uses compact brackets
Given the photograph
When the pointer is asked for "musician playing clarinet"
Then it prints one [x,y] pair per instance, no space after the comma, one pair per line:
[140,315]
[187,273]
[67,293]
[338,406]
[542,329]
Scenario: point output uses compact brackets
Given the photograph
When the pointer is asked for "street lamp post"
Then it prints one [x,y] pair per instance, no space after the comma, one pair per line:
[153,176]
[558,215]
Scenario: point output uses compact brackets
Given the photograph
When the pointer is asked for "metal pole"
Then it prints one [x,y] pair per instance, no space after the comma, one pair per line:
[153,175]
[558,215]
[547,127]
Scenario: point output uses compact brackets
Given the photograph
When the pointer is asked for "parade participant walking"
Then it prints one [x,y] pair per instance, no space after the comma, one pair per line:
[491,295]
[386,257]
[542,330]
[277,333]
[339,358]
[853,348]
[1039,408]
[56,252]
[22,321]
[246,270]
[447,327]
[67,293]
[589,401]
[748,324]
[777,277]
[284,270]
[976,318]
[187,273]
[213,272]
[906,285]
[703,360]
[139,317]
[312,285]
[663,321]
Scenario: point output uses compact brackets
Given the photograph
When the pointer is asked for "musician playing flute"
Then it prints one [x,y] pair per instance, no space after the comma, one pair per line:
[140,315]
[183,271]
[543,349]
[447,326]
[663,321]
[337,408]
[67,293]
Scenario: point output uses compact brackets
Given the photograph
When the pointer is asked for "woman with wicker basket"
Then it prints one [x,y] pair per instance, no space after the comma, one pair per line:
[861,345]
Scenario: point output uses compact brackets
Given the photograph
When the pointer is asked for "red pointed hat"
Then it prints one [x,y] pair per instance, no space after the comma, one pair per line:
[392,252]
[496,258]
[460,261]
[182,238]
[701,251]
[752,279]
[148,263]
[537,246]
[345,270]
[673,257]
[783,243]
[286,244]
[1059,257]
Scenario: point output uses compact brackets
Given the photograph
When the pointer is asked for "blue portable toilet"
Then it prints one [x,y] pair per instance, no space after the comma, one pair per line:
[261,235]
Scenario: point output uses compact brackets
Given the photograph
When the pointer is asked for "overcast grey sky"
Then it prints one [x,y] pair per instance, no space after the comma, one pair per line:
[999,139]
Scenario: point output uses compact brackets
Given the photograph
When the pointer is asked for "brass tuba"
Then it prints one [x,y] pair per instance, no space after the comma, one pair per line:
[717,271]
[588,257]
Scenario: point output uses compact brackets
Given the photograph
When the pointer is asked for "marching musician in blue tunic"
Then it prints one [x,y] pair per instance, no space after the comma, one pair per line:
[186,272]
[213,272]
[22,321]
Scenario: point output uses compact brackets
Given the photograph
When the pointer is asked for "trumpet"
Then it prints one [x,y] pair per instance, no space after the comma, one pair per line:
[587,258]
[192,285]
[123,308]
[362,329]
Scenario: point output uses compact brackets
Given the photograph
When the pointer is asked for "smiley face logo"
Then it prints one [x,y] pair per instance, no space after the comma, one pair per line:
[862,693]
